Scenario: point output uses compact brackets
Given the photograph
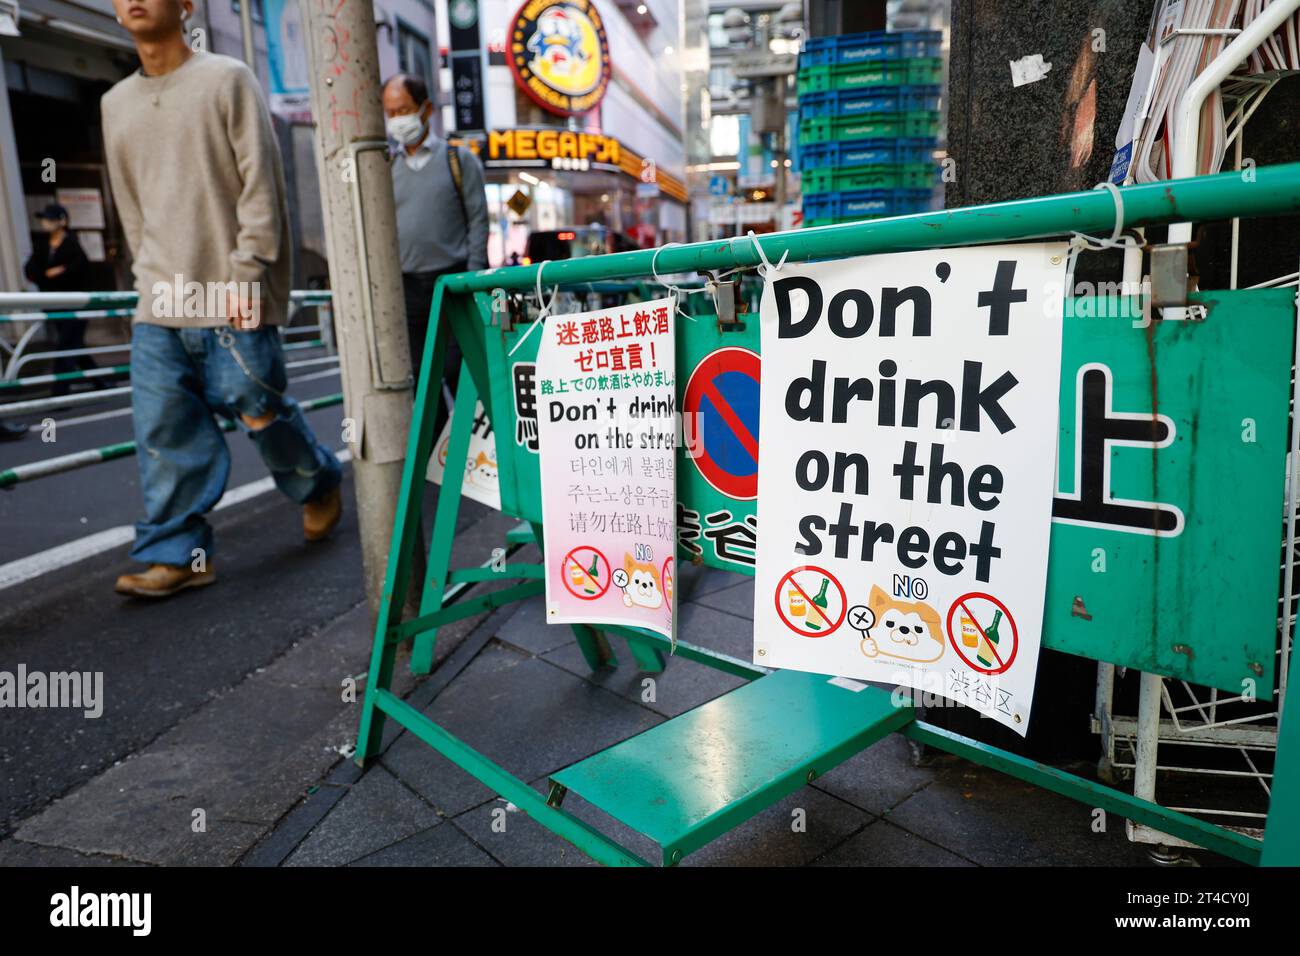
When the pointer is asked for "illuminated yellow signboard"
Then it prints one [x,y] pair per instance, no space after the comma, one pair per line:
[566,150]
[562,148]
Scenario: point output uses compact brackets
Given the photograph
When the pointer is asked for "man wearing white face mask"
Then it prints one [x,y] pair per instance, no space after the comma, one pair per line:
[442,223]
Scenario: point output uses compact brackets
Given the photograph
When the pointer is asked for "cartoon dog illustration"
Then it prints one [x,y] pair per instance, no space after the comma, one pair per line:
[643,586]
[482,471]
[910,631]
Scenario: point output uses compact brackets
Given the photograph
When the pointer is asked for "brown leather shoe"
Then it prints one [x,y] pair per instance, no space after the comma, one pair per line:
[321,516]
[163,580]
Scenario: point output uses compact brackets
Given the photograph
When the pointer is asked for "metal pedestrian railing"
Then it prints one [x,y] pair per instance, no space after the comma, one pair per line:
[31,311]
[95,456]
[36,309]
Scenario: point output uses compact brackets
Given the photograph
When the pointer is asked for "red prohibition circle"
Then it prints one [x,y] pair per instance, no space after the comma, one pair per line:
[568,584]
[789,576]
[956,644]
[665,577]
[733,358]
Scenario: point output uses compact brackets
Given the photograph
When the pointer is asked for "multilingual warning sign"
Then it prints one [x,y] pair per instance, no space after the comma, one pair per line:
[909,408]
[602,398]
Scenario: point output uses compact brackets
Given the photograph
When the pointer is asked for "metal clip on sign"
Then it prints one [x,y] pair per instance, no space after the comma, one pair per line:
[1162,264]
[1169,275]
[724,291]
[724,302]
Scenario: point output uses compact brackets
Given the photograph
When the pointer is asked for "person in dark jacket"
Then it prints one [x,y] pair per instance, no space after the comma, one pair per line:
[60,265]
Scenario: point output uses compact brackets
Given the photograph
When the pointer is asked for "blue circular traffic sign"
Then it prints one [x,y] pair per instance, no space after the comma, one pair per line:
[721,400]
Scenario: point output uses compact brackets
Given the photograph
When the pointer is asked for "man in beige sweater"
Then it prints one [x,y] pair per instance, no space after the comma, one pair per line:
[198,184]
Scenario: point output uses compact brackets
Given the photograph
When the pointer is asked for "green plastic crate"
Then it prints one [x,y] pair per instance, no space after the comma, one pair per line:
[830,179]
[822,129]
[851,76]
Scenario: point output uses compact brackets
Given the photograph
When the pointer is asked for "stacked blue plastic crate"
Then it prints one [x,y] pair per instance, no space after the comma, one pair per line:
[868,124]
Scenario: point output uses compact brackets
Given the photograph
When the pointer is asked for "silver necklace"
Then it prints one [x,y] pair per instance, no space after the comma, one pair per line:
[167,81]
[157,96]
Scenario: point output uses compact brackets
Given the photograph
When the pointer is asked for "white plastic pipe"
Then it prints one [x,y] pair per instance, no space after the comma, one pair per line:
[1187,125]
[1147,745]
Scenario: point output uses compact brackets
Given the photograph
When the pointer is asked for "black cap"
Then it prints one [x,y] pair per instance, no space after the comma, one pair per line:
[52,211]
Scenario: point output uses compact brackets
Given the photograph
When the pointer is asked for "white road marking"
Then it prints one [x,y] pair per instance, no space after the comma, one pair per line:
[312,376]
[43,562]
[84,419]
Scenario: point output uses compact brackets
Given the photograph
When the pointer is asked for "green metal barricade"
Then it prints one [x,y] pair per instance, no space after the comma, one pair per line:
[690,779]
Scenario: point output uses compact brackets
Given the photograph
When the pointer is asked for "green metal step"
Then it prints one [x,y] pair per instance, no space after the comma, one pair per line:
[692,778]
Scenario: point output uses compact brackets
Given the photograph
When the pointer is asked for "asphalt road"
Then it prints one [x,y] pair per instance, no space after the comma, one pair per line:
[161,661]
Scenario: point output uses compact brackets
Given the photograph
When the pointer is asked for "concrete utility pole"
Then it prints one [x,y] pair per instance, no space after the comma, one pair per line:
[365,274]
[245,32]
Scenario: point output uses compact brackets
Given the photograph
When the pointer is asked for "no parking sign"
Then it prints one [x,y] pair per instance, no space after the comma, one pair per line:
[720,421]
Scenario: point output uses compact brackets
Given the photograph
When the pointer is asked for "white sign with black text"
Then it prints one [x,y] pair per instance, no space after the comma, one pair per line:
[911,402]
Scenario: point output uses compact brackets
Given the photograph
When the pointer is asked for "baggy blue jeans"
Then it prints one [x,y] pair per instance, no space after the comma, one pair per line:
[179,378]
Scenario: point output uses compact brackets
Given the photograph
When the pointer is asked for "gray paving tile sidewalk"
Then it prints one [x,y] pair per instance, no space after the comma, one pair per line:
[520,692]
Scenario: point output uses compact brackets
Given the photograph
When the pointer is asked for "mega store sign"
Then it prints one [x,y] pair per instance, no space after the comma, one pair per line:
[562,148]
[567,150]
[560,55]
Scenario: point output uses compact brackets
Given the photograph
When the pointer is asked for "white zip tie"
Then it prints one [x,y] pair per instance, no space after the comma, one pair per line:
[1080,242]
[1116,240]
[767,269]
[676,292]
[543,307]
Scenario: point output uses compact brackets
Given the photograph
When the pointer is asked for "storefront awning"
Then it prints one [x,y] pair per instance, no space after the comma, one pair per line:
[88,19]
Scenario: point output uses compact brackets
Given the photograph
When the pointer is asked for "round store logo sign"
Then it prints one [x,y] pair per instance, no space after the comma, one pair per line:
[560,55]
